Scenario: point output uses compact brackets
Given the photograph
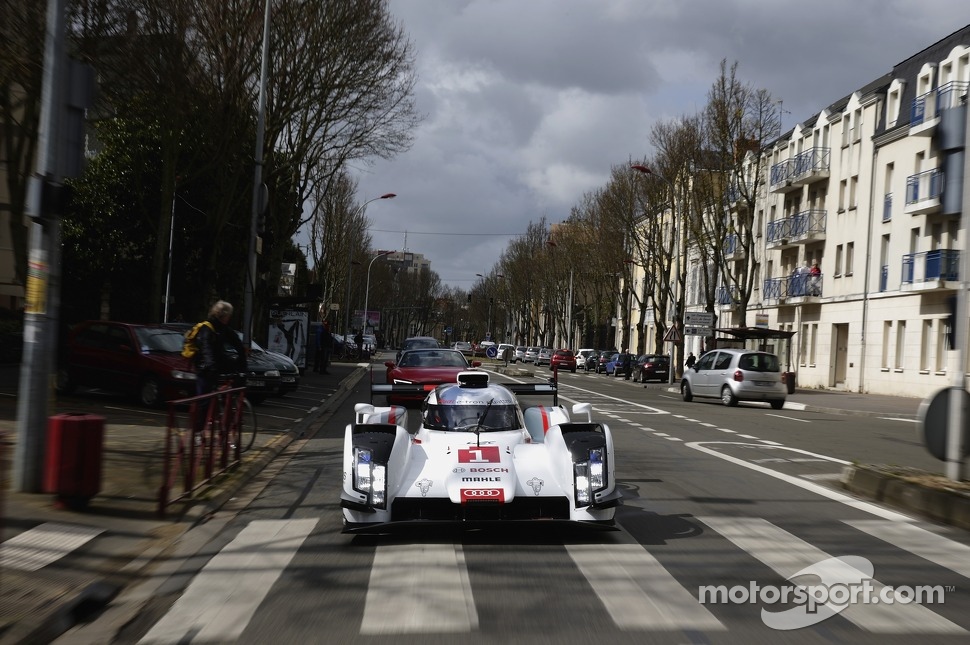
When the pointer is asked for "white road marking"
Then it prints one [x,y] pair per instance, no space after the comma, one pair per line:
[673,438]
[219,602]
[787,554]
[866,507]
[419,588]
[747,436]
[898,419]
[726,430]
[926,544]
[44,544]
[822,477]
[708,425]
[662,434]
[637,591]
[770,443]
[781,416]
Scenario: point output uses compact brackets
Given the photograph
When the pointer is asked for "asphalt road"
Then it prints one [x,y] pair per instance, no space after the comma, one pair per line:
[740,497]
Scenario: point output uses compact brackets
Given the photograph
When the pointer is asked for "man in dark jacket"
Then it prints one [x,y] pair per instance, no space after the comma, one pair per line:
[624,365]
[324,346]
[213,357]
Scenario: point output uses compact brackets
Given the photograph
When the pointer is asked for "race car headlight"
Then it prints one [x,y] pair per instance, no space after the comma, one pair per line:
[589,476]
[370,477]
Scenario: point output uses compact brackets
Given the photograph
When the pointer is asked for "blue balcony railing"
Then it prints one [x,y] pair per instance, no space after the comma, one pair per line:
[782,171]
[887,207]
[726,295]
[799,226]
[924,186]
[947,96]
[927,266]
[811,161]
[731,244]
[797,285]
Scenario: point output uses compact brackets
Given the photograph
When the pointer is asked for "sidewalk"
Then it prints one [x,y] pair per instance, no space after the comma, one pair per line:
[36,606]
[39,603]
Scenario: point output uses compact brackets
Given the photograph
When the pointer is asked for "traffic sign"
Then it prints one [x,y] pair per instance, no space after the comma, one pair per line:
[673,336]
[698,331]
[492,351]
[698,319]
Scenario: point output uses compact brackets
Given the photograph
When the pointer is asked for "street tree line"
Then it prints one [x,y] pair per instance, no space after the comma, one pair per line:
[172,135]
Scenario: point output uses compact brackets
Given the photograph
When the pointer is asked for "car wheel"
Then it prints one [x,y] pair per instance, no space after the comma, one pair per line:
[777,404]
[573,370]
[65,384]
[727,397]
[149,394]
[685,392]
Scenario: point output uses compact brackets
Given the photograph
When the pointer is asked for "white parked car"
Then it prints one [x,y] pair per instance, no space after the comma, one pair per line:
[734,375]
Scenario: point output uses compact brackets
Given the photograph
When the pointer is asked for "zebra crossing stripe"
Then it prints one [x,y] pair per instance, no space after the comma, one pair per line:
[787,554]
[220,601]
[419,588]
[637,591]
[926,544]
[44,544]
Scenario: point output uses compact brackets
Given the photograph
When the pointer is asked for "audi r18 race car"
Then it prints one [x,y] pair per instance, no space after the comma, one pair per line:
[477,457]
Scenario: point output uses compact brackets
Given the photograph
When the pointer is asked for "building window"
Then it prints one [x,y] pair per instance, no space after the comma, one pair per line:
[843,188]
[942,335]
[853,192]
[925,346]
[887,330]
[803,346]
[814,345]
[838,260]
[849,252]
[900,344]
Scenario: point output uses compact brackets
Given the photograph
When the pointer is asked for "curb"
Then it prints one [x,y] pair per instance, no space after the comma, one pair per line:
[67,610]
[895,487]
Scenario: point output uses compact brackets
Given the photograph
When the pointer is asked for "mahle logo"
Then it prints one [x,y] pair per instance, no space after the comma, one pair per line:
[841,581]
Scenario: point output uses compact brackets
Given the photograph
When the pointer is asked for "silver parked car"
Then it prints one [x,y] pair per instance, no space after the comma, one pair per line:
[544,357]
[531,353]
[734,375]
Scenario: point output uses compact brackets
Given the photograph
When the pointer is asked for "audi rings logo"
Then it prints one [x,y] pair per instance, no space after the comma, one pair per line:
[482,495]
[458,470]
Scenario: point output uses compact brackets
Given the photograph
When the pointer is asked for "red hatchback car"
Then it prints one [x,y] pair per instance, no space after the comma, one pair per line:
[142,360]
[563,359]
[428,368]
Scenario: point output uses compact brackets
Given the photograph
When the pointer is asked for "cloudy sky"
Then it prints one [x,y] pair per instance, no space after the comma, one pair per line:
[527,104]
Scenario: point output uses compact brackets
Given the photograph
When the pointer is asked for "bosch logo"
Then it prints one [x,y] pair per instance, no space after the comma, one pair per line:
[483,492]
[488,470]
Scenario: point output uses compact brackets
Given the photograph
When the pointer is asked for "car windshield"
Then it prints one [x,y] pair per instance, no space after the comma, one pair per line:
[158,339]
[759,363]
[464,418]
[433,358]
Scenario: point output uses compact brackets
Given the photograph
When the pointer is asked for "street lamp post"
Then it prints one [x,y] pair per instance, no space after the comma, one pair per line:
[367,287]
[350,257]
[676,288]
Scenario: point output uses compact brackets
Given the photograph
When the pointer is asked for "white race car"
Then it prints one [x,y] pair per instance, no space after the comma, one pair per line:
[477,458]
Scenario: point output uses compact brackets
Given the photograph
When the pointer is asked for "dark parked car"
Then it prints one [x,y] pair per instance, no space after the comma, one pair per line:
[289,372]
[140,360]
[591,361]
[649,367]
[263,376]
[606,361]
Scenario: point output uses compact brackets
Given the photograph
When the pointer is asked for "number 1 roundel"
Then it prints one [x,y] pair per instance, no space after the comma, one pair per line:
[479,455]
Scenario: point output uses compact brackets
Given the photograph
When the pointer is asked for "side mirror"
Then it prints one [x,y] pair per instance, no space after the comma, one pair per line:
[476,363]
[389,364]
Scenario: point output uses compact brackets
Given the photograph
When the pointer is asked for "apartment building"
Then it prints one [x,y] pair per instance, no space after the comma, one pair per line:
[871,188]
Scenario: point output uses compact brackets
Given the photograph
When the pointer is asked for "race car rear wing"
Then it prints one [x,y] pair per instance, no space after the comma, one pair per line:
[471,378]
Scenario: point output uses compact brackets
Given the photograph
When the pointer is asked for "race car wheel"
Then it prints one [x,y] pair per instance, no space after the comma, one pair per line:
[728,398]
[685,392]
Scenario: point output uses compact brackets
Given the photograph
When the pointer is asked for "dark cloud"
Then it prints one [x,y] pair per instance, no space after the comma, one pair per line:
[530,103]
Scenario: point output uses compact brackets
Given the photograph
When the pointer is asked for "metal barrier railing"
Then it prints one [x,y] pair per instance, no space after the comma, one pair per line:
[202,441]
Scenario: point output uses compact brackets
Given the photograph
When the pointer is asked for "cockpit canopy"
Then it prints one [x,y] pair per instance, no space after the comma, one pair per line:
[472,403]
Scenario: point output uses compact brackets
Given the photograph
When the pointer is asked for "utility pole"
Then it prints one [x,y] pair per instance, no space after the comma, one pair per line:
[65,94]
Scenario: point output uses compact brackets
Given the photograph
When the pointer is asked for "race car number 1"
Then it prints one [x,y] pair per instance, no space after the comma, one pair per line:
[479,455]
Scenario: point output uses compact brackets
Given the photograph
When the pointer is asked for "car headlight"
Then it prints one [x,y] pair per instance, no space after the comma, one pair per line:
[370,477]
[272,373]
[589,476]
[180,375]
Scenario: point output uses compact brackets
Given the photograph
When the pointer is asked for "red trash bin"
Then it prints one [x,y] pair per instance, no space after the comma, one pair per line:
[73,467]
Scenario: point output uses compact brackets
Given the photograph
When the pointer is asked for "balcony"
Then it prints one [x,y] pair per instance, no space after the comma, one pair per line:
[800,228]
[925,112]
[796,289]
[923,192]
[726,297]
[930,270]
[733,250]
[780,177]
[811,166]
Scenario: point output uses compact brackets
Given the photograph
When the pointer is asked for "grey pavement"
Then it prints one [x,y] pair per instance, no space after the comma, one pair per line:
[36,606]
